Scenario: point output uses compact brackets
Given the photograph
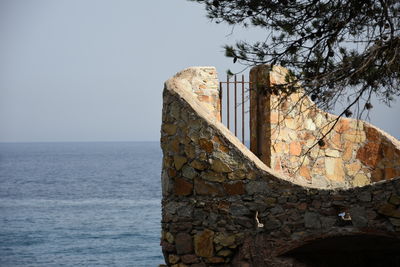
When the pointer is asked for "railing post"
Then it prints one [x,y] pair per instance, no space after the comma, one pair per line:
[260,126]
[235,105]
[243,98]
[220,100]
[227,100]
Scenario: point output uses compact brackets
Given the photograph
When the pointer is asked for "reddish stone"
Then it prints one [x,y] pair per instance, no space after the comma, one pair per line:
[203,243]
[390,173]
[278,166]
[372,134]
[217,140]
[343,125]
[171,172]
[223,148]
[348,151]
[205,98]
[274,117]
[183,243]
[182,187]
[377,175]
[234,188]
[305,172]
[369,154]
[190,258]
[336,141]
[295,149]
[388,151]
[204,188]
[206,145]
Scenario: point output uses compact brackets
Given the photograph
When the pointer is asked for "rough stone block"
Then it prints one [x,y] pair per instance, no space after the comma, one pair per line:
[236,188]
[218,165]
[169,129]
[369,154]
[224,239]
[360,179]
[203,188]
[199,165]
[203,243]
[179,161]
[213,176]
[295,148]
[183,243]
[206,145]
[182,187]
[189,172]
[334,169]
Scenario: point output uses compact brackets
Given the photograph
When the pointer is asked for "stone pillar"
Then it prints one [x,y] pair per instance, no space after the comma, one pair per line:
[260,126]
[206,87]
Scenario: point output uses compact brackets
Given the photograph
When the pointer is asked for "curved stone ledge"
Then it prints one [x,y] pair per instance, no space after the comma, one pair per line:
[222,206]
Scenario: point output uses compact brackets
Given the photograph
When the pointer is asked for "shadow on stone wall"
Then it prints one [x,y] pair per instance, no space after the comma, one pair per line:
[355,250]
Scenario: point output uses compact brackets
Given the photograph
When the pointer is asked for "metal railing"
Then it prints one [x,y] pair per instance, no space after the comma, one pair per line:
[232,111]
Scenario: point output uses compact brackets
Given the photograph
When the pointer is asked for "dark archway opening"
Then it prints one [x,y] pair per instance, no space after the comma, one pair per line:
[359,250]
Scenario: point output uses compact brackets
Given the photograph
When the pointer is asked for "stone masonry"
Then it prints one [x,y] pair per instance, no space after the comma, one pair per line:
[354,153]
[222,206]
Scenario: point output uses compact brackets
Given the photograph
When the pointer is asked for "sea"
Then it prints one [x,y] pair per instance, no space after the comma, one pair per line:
[80,204]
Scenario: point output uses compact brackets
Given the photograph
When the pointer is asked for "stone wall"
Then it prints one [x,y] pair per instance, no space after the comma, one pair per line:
[222,206]
[354,153]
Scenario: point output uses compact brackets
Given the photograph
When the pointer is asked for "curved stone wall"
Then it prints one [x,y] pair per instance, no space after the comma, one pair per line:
[222,206]
[354,152]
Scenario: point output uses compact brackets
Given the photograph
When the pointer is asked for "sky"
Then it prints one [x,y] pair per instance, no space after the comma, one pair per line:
[93,70]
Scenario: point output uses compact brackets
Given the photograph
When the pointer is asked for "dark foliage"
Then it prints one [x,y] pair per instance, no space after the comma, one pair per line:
[334,48]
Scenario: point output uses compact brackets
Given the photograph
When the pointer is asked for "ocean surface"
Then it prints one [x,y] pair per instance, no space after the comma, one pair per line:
[80,204]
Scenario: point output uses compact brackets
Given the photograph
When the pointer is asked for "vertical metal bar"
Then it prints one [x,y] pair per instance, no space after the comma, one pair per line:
[220,100]
[243,108]
[235,105]
[227,100]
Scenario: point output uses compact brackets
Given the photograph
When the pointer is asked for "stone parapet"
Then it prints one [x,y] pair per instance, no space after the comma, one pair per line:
[222,206]
[286,130]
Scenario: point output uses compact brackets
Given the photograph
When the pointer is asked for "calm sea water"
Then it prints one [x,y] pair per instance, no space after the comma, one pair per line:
[80,204]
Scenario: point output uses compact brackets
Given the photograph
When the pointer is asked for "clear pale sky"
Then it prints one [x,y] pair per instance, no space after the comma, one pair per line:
[93,70]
